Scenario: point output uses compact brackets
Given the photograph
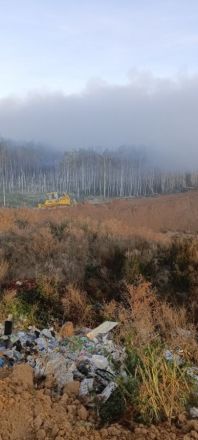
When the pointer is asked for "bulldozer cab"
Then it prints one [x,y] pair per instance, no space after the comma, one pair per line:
[52,195]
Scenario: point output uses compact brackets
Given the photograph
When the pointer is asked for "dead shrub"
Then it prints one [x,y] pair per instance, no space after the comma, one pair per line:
[141,303]
[76,306]
[4,267]
[111,310]
[48,287]
[175,329]
[135,313]
[42,242]
[169,319]
[7,300]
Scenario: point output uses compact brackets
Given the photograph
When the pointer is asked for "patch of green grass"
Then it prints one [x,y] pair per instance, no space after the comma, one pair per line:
[15,200]
[157,389]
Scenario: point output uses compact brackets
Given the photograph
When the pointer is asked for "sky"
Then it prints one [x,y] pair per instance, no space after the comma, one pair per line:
[99,72]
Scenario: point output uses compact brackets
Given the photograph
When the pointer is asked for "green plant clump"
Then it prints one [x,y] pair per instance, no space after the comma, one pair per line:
[158,389]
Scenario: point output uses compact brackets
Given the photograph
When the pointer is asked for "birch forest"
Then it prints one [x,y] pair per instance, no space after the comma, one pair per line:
[87,173]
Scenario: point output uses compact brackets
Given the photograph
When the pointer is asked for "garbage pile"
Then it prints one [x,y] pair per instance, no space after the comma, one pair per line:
[89,357]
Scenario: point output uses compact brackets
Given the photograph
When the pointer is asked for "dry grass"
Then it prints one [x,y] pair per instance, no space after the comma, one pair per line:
[49,287]
[164,389]
[135,313]
[7,301]
[76,306]
[142,303]
[176,329]
[4,267]
[145,318]
[145,217]
[91,263]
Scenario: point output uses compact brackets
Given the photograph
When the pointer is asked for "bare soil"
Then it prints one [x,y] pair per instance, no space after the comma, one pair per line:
[30,413]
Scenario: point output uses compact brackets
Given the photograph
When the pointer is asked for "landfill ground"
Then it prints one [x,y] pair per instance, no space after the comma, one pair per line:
[30,413]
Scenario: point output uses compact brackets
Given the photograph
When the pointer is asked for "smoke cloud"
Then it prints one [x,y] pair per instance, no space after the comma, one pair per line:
[160,113]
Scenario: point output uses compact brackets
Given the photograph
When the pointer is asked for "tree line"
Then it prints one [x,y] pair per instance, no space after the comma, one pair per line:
[84,173]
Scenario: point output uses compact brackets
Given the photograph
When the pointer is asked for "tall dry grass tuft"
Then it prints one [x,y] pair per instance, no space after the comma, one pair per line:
[48,286]
[164,387]
[176,330]
[140,303]
[135,313]
[7,301]
[145,318]
[4,267]
[111,310]
[76,306]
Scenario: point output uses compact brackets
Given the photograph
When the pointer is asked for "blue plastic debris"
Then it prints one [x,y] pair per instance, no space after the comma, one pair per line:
[2,362]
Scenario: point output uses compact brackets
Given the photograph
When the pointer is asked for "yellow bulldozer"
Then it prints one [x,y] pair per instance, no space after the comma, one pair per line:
[55,200]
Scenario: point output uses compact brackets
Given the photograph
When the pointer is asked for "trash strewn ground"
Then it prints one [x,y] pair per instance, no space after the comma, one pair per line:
[93,362]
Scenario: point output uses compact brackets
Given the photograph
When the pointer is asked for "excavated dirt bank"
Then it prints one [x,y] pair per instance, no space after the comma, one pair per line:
[30,413]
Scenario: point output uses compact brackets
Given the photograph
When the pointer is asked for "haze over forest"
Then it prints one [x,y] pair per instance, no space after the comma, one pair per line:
[86,78]
[159,113]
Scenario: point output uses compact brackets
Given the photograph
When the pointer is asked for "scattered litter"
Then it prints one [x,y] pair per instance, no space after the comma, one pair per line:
[193,372]
[108,391]
[100,361]
[8,326]
[19,283]
[2,362]
[172,357]
[46,333]
[184,333]
[92,358]
[102,329]
[86,387]
[193,412]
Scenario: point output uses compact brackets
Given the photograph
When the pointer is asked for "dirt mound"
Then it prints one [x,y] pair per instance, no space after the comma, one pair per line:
[30,413]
